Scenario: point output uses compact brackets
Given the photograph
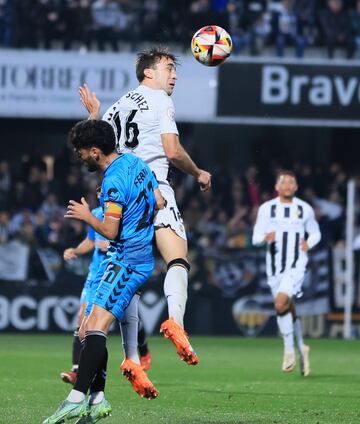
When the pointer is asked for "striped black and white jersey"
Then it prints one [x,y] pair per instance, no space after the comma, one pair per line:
[291,223]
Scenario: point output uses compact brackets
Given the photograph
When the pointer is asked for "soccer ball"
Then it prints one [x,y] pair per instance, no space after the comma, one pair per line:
[211,45]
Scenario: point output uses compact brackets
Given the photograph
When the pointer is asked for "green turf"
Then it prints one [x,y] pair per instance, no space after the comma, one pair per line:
[237,381]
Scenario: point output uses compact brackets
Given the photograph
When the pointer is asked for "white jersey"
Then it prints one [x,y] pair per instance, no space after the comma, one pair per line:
[139,118]
[290,222]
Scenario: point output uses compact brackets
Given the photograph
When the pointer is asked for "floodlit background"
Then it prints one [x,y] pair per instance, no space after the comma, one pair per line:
[288,97]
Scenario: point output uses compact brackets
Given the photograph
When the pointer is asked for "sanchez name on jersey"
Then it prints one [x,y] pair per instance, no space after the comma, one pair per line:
[139,118]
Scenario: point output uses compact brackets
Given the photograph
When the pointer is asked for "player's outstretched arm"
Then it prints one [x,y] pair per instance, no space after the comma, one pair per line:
[90,101]
[108,228]
[82,248]
[178,156]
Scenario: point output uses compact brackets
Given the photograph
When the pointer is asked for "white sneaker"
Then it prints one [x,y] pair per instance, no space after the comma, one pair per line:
[289,362]
[305,361]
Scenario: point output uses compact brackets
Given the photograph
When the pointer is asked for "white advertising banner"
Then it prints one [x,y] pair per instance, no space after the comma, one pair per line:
[43,84]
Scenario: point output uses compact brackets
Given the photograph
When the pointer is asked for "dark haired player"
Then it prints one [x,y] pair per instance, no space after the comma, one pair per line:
[128,201]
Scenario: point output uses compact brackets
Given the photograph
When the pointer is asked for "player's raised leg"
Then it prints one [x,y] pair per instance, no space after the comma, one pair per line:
[286,328]
[173,249]
[143,347]
[131,367]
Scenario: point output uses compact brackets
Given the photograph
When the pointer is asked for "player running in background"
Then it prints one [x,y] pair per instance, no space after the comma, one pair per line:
[144,123]
[128,201]
[288,226]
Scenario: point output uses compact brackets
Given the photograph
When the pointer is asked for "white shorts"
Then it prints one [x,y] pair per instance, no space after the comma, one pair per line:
[289,282]
[170,215]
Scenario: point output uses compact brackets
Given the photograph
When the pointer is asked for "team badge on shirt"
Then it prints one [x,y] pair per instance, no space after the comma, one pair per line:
[171,113]
[113,194]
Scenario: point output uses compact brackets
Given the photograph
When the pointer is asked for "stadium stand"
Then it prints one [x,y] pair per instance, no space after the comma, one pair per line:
[315,28]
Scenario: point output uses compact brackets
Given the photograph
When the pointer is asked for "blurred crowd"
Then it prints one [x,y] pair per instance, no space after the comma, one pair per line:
[34,193]
[253,24]
[225,216]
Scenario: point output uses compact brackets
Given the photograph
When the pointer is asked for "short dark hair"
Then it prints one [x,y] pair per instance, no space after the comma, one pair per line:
[92,133]
[150,58]
[285,172]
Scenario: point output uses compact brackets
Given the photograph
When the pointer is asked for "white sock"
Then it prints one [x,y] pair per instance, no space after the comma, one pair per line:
[285,324]
[175,289]
[298,335]
[96,397]
[129,330]
[75,396]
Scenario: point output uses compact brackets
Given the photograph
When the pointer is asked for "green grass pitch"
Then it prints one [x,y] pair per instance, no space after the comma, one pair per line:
[237,381]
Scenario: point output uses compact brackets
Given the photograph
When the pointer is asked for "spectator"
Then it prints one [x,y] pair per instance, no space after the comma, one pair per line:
[77,20]
[260,31]
[252,185]
[201,14]
[238,36]
[219,5]
[305,11]
[42,229]
[16,196]
[68,233]
[5,183]
[71,188]
[26,234]
[4,227]
[17,220]
[32,193]
[150,20]
[52,24]
[54,238]
[256,24]
[239,229]
[287,30]
[84,19]
[27,23]
[50,208]
[355,27]
[6,23]
[335,25]
[107,23]
[247,25]
[200,6]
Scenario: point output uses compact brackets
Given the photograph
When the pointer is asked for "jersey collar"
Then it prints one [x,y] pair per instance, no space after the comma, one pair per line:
[111,163]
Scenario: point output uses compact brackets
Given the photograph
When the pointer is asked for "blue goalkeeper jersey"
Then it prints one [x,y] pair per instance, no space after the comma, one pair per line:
[129,184]
[98,255]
